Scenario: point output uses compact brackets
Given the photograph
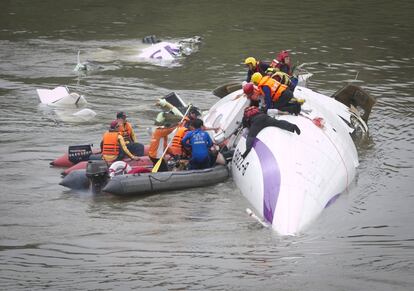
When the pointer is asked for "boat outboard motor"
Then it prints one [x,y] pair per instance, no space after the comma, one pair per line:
[97,173]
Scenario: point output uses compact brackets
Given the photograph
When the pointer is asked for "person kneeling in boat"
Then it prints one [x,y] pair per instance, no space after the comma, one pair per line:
[126,130]
[200,142]
[255,121]
[276,95]
[159,142]
[113,145]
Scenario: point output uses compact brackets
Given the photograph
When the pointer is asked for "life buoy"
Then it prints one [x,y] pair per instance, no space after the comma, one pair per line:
[119,168]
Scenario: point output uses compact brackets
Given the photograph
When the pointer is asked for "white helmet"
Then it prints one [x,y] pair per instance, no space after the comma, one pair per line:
[119,168]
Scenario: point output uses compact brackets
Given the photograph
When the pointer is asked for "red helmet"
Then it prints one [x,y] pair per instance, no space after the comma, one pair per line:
[251,111]
[282,55]
[114,124]
[248,89]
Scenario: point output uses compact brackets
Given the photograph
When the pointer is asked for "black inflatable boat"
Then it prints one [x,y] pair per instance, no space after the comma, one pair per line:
[144,183]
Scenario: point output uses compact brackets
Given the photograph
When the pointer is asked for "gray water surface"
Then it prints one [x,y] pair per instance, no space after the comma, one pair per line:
[198,239]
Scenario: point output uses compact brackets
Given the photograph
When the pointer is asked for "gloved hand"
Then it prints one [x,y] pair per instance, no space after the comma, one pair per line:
[296,129]
[244,155]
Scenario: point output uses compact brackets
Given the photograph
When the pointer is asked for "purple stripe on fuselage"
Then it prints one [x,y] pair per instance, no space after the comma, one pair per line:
[332,200]
[271,179]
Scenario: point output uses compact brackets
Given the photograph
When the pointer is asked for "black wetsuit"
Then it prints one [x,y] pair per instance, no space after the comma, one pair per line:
[260,121]
[260,67]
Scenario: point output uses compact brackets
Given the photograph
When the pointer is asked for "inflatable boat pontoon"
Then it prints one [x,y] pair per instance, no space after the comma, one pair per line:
[145,183]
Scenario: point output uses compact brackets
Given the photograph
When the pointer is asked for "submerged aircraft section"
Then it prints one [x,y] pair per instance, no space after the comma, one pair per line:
[287,178]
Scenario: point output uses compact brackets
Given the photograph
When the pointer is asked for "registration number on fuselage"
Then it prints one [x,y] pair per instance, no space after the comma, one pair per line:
[239,163]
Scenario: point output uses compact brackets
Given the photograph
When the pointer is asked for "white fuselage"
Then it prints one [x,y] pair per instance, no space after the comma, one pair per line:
[288,178]
[166,51]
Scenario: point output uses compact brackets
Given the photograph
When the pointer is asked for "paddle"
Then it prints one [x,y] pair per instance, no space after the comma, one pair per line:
[157,165]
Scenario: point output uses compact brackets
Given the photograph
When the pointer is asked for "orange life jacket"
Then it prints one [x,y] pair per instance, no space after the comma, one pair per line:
[155,151]
[176,147]
[127,132]
[110,143]
[276,88]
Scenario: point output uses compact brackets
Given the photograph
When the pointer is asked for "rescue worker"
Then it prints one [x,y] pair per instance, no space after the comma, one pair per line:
[276,95]
[282,77]
[253,94]
[200,142]
[194,113]
[113,145]
[159,141]
[255,66]
[255,121]
[126,130]
[176,148]
[282,62]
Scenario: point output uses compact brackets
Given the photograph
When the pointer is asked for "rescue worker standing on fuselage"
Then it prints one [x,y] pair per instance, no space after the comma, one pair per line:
[113,145]
[255,121]
[200,143]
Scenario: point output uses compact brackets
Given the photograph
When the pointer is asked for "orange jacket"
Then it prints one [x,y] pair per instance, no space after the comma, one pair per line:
[276,88]
[155,151]
[127,132]
[110,143]
[176,147]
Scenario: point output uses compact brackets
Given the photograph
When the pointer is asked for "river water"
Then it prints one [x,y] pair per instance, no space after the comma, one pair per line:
[198,239]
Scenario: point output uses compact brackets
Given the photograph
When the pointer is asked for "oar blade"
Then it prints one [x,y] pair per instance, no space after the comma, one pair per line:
[156,166]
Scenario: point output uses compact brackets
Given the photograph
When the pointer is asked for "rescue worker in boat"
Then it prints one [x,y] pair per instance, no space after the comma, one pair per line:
[113,145]
[255,66]
[255,121]
[176,148]
[200,142]
[282,62]
[126,130]
[125,127]
[159,141]
[276,95]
